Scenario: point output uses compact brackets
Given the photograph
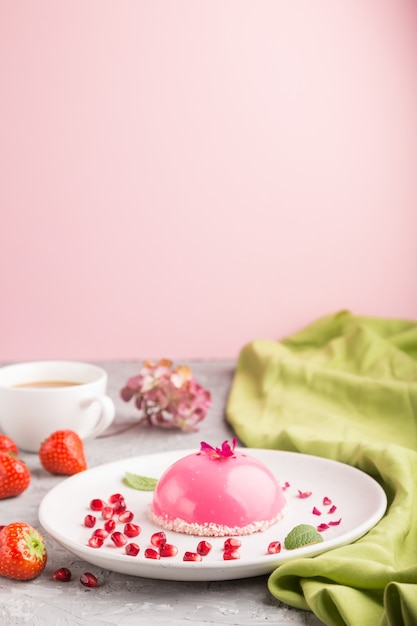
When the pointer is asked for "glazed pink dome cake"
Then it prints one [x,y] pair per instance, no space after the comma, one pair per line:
[217,492]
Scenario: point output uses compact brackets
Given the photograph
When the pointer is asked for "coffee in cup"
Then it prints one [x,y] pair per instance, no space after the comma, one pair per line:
[40,397]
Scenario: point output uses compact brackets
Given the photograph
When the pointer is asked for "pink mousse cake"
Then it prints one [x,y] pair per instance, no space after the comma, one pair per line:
[217,492]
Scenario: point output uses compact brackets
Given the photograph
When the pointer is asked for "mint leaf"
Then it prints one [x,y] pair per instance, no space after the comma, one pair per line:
[302,535]
[141,483]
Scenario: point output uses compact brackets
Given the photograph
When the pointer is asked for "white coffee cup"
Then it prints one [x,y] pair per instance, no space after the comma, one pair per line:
[40,397]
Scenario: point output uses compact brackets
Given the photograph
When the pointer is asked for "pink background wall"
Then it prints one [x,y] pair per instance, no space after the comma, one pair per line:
[180,177]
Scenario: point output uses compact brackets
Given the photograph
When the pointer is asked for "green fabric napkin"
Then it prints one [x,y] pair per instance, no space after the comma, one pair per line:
[343,388]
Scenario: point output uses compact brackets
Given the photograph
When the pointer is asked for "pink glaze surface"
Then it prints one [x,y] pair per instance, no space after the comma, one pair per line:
[204,496]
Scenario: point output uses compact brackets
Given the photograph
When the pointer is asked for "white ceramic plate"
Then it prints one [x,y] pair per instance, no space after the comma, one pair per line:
[359,500]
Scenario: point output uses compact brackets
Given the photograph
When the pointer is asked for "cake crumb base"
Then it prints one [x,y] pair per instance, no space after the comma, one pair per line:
[211,529]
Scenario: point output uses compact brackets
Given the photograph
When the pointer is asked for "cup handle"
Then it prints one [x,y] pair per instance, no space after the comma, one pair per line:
[108,411]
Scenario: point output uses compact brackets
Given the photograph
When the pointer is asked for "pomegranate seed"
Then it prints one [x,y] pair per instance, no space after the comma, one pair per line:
[232,543]
[132,549]
[126,516]
[118,539]
[326,501]
[332,509]
[119,507]
[191,556]
[274,547]
[63,575]
[95,542]
[88,580]
[231,555]
[158,539]
[131,530]
[101,533]
[90,521]
[167,549]
[97,504]
[150,553]
[204,548]
[110,525]
[115,497]
[107,512]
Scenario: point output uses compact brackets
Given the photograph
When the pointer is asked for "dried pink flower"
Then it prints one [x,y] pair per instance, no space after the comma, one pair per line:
[168,397]
[219,454]
[322,527]
[304,494]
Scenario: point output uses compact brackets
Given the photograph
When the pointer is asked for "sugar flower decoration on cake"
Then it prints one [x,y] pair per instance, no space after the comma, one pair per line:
[168,397]
[227,451]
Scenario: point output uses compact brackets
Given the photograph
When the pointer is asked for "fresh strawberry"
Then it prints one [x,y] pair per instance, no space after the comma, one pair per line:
[14,475]
[22,551]
[8,445]
[63,453]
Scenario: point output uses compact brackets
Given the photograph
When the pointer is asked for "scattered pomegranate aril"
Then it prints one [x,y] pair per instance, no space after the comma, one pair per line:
[115,497]
[132,549]
[158,539]
[107,512]
[168,549]
[192,556]
[110,525]
[62,575]
[131,530]
[90,521]
[231,555]
[232,543]
[315,511]
[326,501]
[204,548]
[304,494]
[335,522]
[332,509]
[88,580]
[126,516]
[101,533]
[95,542]
[322,527]
[119,507]
[97,504]
[274,547]
[150,553]
[118,539]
